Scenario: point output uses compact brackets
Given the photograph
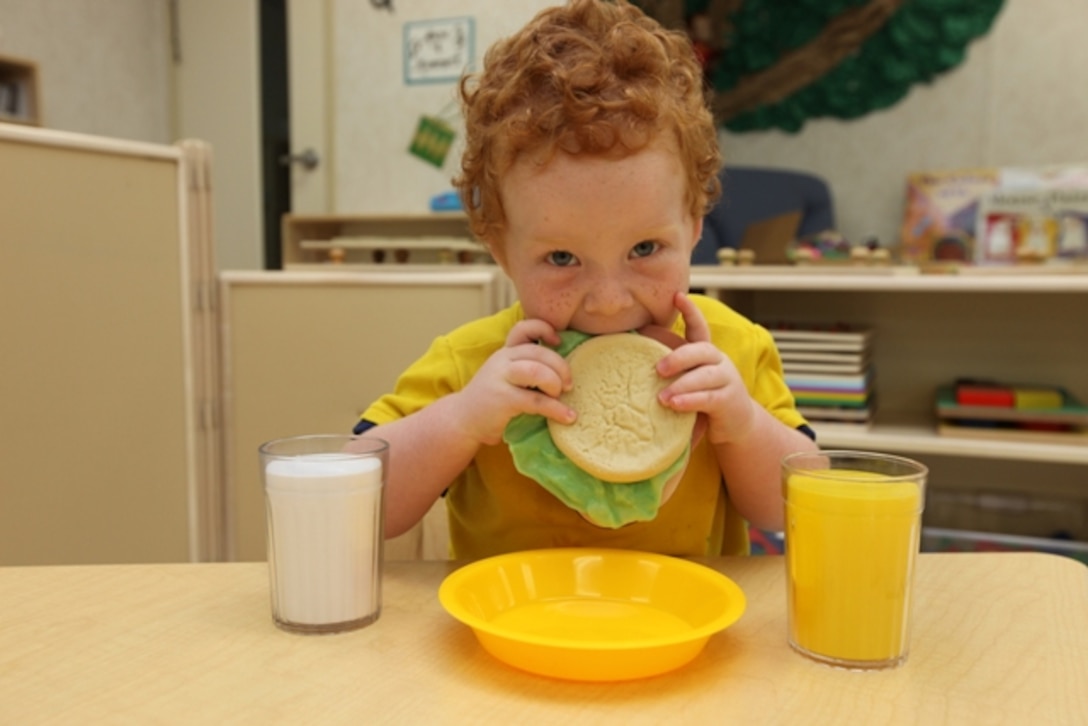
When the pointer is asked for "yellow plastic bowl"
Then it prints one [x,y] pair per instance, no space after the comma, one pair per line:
[592,614]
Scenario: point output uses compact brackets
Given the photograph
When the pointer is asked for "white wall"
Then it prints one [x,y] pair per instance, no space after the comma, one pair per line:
[104,65]
[376,112]
[218,99]
[1016,100]
[106,69]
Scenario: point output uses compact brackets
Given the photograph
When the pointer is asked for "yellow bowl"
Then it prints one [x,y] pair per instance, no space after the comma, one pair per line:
[592,614]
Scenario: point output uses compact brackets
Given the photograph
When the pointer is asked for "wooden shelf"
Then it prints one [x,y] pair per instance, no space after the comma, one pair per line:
[906,279]
[1022,326]
[923,439]
[20,95]
[324,240]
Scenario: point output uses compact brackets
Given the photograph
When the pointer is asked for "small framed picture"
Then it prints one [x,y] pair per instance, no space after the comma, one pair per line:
[437,51]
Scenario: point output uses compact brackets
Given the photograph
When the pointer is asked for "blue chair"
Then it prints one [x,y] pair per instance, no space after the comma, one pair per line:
[751,195]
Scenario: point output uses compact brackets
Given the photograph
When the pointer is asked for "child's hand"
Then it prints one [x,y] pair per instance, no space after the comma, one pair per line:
[708,381]
[522,377]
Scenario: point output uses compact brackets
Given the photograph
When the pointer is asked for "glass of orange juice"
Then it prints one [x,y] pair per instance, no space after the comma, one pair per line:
[853,522]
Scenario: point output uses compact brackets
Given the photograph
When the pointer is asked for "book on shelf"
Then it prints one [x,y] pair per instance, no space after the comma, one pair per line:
[1046,220]
[854,358]
[828,383]
[827,369]
[807,368]
[836,413]
[850,399]
[845,345]
[808,333]
[829,419]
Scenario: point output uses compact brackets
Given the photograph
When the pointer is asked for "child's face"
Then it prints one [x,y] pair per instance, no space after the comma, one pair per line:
[599,244]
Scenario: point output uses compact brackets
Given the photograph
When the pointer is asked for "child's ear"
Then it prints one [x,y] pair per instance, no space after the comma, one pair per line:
[497,251]
[697,232]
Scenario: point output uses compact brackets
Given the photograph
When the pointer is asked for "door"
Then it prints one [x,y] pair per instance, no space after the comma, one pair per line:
[294,78]
[309,76]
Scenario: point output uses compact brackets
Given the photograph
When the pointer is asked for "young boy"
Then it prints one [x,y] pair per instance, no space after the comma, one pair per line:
[590,161]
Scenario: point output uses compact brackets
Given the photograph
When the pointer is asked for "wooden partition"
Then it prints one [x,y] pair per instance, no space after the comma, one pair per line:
[99,439]
[307,352]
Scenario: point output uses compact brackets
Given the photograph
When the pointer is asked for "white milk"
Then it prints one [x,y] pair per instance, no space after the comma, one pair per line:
[324,521]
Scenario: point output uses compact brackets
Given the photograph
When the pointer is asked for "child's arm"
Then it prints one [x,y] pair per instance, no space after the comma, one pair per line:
[430,448]
[750,443]
[751,465]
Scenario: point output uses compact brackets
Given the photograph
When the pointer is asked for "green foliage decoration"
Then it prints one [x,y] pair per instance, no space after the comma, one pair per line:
[921,40]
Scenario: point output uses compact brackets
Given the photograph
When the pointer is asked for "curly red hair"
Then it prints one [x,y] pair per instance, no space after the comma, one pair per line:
[590,77]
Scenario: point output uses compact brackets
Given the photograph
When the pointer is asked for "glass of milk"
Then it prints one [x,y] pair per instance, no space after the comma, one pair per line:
[324,530]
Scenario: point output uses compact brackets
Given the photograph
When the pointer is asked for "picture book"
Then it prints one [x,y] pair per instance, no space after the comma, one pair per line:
[1033,224]
[996,215]
[941,213]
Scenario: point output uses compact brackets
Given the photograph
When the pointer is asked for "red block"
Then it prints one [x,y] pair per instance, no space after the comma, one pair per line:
[985,396]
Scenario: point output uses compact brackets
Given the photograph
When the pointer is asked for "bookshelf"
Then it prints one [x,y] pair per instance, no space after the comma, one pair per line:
[929,329]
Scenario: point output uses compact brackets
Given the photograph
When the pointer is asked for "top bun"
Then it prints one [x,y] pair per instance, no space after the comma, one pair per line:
[622,433]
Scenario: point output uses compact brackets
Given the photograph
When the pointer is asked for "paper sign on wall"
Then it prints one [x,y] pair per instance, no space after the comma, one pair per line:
[432,140]
[437,50]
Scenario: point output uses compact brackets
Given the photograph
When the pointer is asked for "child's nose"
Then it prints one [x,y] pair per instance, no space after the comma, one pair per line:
[607,296]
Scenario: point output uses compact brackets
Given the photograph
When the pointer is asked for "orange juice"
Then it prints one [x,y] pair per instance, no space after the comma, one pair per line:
[851,538]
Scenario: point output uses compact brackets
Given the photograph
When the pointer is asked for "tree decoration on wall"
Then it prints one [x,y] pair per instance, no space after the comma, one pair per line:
[779,63]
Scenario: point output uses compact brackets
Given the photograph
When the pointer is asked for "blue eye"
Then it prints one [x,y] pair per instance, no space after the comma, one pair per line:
[644,249]
[561,258]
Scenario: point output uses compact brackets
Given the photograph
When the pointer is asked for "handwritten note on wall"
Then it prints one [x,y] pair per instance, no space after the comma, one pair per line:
[436,51]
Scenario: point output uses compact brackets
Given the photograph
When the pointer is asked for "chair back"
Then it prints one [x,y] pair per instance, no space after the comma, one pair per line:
[764,210]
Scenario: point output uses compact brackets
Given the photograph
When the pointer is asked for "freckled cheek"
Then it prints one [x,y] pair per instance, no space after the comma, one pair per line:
[555,306]
[560,303]
[660,297]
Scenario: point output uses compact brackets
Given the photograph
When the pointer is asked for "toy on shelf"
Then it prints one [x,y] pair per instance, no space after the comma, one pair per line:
[728,256]
[831,248]
[824,248]
[343,250]
[993,410]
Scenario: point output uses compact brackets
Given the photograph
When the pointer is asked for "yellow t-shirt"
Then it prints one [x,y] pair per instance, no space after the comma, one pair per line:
[494,509]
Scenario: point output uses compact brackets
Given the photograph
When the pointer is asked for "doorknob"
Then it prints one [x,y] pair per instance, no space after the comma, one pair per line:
[308,159]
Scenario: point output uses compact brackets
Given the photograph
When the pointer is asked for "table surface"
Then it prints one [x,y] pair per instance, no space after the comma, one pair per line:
[998,638]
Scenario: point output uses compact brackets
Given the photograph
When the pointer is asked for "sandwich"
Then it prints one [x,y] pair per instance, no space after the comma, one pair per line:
[623,456]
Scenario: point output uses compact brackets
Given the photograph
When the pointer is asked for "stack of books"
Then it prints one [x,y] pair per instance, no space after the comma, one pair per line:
[1005,412]
[829,371]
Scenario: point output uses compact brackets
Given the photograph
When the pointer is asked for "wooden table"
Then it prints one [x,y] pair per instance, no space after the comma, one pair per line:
[999,638]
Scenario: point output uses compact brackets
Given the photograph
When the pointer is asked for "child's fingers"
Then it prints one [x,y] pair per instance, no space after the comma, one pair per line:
[696,328]
[549,407]
[536,374]
[532,331]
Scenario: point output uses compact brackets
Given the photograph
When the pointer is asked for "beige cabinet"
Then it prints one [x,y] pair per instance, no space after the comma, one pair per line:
[105,360]
[307,352]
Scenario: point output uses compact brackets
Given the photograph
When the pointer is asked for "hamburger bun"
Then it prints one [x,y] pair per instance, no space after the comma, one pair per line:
[622,434]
